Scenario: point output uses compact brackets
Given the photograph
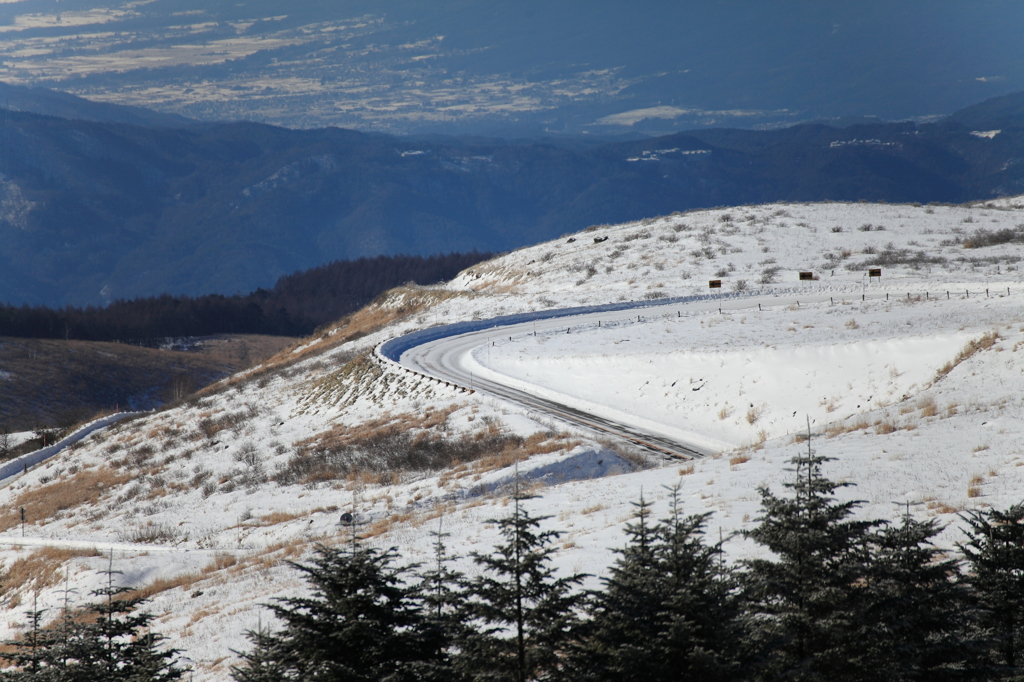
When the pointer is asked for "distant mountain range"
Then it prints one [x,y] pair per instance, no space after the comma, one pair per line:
[95,210]
[64,105]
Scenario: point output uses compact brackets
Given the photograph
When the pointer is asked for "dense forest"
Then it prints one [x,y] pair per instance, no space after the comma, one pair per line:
[833,598]
[295,306]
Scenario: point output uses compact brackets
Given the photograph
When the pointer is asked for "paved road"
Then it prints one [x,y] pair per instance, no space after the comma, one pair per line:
[15,466]
[443,352]
[446,359]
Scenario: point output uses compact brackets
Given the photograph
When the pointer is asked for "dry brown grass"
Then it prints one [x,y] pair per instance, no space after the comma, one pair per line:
[379,452]
[413,518]
[973,347]
[974,486]
[537,444]
[834,429]
[286,550]
[738,459]
[339,436]
[46,502]
[838,428]
[927,407]
[391,306]
[686,470]
[937,507]
[40,569]
[885,427]
[277,517]
[753,414]
[186,581]
[382,526]
[274,518]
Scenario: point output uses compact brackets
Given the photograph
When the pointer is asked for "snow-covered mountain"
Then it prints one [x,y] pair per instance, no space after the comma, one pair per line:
[911,381]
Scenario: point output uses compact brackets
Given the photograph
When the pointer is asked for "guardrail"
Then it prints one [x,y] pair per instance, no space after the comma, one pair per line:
[392,349]
[22,463]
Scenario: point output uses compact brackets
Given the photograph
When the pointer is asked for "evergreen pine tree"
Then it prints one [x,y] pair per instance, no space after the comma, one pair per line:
[38,656]
[109,640]
[667,611]
[804,605]
[703,628]
[361,623]
[916,624]
[264,662]
[120,643]
[995,553]
[440,595]
[627,616]
[527,614]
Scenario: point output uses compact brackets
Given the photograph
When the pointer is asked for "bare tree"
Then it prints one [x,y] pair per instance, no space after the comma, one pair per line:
[179,387]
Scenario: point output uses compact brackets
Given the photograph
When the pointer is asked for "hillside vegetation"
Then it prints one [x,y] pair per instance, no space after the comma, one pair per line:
[55,384]
[911,382]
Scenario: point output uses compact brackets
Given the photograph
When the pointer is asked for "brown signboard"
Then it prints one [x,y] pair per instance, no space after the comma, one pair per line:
[715,284]
[806,275]
[875,272]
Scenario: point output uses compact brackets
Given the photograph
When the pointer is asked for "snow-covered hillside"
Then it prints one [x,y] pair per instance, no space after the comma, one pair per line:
[911,381]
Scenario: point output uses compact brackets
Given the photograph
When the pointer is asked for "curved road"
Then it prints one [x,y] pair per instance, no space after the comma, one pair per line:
[447,359]
[443,353]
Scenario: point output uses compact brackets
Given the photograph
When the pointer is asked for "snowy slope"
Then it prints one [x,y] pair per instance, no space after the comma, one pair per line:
[917,397]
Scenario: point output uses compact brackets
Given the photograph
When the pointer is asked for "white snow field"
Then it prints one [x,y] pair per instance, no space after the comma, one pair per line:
[916,392]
